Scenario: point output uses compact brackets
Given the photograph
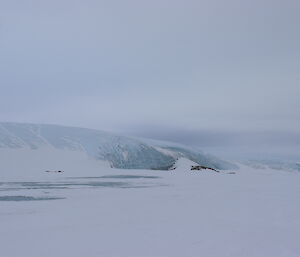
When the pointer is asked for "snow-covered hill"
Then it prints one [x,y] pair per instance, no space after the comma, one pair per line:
[92,210]
[119,151]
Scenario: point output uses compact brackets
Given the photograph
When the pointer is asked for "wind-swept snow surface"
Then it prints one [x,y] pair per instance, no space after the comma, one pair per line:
[128,213]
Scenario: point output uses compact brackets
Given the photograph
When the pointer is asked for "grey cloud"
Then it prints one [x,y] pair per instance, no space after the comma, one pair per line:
[124,65]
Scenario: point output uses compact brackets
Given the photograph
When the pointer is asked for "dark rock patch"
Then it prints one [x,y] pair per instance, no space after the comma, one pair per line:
[199,167]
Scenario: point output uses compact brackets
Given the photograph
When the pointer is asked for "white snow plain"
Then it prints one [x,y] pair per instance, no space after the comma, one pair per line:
[143,213]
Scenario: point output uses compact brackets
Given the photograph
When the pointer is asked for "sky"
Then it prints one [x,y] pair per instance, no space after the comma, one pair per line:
[153,68]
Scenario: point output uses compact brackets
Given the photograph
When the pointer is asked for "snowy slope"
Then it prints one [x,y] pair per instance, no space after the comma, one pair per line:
[119,151]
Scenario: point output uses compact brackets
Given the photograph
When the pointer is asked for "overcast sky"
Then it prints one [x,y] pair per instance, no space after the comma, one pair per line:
[134,65]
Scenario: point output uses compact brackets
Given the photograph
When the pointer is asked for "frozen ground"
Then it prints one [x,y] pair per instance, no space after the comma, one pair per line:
[91,210]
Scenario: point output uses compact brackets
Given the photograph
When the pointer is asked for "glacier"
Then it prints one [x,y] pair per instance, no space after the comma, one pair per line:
[120,151]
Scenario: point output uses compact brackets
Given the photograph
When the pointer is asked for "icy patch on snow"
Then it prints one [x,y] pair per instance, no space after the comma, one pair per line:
[21,198]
